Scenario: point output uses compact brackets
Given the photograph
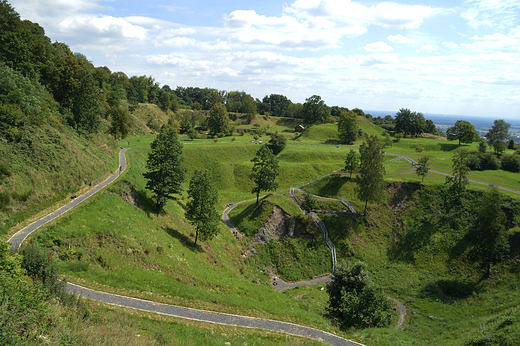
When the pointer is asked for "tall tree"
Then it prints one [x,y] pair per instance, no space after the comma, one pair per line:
[165,172]
[347,127]
[370,181]
[403,121]
[86,109]
[352,162]
[498,134]
[120,122]
[265,171]
[463,131]
[423,167]
[277,143]
[218,121]
[315,111]
[488,233]
[354,300]
[200,209]
[459,179]
[417,124]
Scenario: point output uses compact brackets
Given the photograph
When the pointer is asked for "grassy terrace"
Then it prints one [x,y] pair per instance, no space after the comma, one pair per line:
[113,246]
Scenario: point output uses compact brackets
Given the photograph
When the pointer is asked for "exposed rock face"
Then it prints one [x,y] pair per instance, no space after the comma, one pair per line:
[132,197]
[278,225]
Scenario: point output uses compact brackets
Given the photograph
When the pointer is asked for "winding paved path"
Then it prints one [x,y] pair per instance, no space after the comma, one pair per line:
[172,310]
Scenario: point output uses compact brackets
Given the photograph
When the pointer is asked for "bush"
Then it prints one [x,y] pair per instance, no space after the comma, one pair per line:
[40,267]
[474,162]
[511,144]
[489,161]
[354,300]
[511,163]
[419,149]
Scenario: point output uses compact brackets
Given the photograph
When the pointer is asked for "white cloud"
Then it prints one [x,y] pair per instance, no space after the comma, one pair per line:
[491,13]
[451,45]
[427,48]
[378,47]
[399,16]
[400,39]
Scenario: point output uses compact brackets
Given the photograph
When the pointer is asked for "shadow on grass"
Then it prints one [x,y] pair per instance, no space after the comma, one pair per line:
[448,291]
[331,141]
[450,147]
[186,241]
[332,187]
[412,242]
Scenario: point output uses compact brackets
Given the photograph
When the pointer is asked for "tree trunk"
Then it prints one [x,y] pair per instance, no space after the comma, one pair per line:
[366,205]
[196,238]
[257,195]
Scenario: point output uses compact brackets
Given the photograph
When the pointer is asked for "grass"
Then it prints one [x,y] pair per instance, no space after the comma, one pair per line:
[57,164]
[111,245]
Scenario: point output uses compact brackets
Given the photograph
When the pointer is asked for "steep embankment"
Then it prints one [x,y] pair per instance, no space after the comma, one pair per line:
[46,166]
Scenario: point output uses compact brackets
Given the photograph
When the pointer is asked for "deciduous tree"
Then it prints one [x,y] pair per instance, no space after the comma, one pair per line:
[165,172]
[488,233]
[277,143]
[423,167]
[120,122]
[218,121]
[354,300]
[370,181]
[463,131]
[265,171]
[459,180]
[352,162]
[315,111]
[347,127]
[498,134]
[200,209]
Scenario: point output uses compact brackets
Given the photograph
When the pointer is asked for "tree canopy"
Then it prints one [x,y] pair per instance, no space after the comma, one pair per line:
[459,180]
[370,181]
[165,171]
[409,123]
[488,232]
[354,300]
[463,131]
[200,209]
[264,172]
[315,111]
[347,127]
[218,121]
[498,134]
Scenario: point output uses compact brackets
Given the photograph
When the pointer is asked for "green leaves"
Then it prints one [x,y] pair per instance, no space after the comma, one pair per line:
[200,209]
[347,127]
[370,181]
[463,131]
[165,172]
[265,171]
[354,300]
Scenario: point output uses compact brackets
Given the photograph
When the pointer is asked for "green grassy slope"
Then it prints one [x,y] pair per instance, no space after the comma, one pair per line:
[49,165]
[114,246]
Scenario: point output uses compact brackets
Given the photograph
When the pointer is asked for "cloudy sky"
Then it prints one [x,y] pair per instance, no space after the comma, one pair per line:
[432,56]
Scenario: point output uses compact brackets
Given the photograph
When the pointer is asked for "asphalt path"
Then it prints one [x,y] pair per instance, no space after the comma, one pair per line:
[172,310]
[17,239]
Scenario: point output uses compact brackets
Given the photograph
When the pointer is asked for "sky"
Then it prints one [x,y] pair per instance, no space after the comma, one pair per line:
[430,56]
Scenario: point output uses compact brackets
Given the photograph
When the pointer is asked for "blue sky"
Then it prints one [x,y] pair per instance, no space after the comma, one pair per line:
[444,57]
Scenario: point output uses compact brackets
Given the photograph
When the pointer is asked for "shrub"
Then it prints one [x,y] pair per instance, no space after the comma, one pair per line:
[419,149]
[41,267]
[482,145]
[474,162]
[489,161]
[511,144]
[511,163]
[354,300]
